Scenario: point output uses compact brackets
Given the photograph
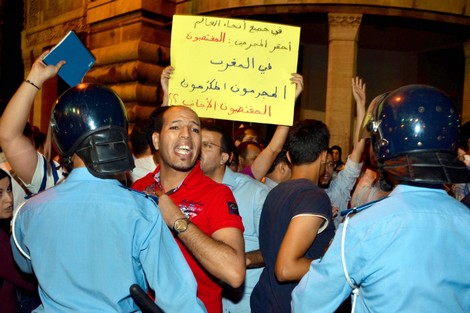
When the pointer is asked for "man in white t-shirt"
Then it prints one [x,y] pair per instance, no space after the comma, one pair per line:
[30,167]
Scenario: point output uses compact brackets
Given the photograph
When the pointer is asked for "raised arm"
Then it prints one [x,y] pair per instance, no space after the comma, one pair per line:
[164,79]
[359,92]
[263,161]
[19,150]
[222,255]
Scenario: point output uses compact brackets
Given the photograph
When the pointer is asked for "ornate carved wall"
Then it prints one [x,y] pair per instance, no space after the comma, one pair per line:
[130,40]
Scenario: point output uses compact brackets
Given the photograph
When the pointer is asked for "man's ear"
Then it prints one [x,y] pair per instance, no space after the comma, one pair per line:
[224,158]
[283,167]
[288,157]
[155,139]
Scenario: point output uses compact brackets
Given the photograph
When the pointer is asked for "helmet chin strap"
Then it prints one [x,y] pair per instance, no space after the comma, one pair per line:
[67,161]
[384,182]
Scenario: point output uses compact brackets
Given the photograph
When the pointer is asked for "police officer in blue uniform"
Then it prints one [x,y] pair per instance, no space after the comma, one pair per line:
[408,252]
[90,238]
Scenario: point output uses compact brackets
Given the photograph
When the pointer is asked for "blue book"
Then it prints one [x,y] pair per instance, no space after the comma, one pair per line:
[76,55]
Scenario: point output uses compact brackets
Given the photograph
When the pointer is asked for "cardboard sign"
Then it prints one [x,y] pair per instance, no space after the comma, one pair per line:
[234,69]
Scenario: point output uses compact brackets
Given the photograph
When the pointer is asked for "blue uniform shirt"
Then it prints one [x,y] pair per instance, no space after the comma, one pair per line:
[408,253]
[90,239]
[250,195]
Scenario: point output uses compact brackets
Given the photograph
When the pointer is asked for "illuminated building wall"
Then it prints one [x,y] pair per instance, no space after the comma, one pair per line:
[388,43]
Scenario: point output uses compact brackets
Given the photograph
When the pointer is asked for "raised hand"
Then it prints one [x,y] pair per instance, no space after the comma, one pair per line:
[359,90]
[298,80]
[41,72]
[164,79]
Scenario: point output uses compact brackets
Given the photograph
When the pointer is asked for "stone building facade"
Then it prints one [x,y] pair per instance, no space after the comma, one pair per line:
[388,43]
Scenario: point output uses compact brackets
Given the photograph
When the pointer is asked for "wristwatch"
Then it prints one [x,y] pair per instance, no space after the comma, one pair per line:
[181,225]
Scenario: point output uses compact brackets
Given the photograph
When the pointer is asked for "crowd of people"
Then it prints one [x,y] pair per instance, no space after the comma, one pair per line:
[207,221]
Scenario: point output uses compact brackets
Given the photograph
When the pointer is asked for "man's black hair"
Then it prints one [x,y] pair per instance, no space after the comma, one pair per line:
[139,139]
[226,142]
[306,141]
[155,123]
[280,158]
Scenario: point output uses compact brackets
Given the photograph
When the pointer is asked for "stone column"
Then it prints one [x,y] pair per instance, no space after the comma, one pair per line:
[466,84]
[342,53]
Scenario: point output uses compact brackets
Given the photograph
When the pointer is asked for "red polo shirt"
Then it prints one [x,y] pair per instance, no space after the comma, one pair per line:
[210,206]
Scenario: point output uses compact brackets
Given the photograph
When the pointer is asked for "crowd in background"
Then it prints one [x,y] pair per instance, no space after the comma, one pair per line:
[223,222]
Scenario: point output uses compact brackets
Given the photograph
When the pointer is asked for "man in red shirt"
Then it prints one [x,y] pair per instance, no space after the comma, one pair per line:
[202,213]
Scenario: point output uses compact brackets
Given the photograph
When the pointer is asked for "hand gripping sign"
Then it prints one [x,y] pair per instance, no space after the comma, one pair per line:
[234,69]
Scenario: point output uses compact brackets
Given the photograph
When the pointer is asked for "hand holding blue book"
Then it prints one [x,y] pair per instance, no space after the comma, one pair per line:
[76,55]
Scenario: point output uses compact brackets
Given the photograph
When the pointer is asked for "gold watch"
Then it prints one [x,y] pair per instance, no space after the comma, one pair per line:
[181,225]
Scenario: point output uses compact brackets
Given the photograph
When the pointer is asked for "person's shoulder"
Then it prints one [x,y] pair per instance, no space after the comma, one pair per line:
[40,199]
[304,185]
[302,189]
[140,195]
[243,179]
[293,186]
[135,205]
[197,179]
[363,207]
[309,193]
[250,189]
[41,195]
[143,182]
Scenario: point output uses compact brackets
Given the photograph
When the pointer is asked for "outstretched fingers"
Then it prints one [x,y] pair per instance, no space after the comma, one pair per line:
[298,80]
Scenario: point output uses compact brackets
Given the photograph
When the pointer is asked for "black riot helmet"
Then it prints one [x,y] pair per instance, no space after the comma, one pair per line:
[90,120]
[414,133]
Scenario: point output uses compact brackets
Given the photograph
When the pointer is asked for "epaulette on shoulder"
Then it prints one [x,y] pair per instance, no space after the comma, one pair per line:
[154,198]
[361,207]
